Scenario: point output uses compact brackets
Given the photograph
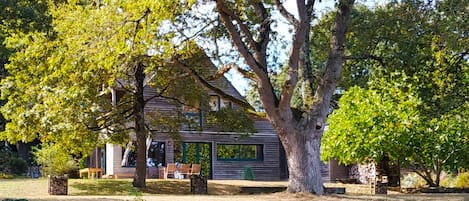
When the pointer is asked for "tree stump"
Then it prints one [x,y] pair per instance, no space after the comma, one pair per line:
[199,184]
[58,185]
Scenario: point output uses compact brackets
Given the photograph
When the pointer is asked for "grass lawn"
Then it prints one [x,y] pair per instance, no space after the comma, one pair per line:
[121,189]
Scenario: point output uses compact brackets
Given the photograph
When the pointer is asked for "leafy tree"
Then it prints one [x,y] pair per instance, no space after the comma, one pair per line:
[415,106]
[59,83]
[249,26]
[19,15]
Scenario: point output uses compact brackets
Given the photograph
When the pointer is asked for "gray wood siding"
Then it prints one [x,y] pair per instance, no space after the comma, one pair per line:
[267,169]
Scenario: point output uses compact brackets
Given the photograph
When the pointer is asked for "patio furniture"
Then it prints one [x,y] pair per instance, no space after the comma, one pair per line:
[195,169]
[170,169]
[90,171]
[184,169]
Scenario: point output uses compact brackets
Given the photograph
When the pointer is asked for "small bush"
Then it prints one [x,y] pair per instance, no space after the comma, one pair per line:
[55,160]
[17,166]
[5,176]
[448,181]
[412,180]
[462,180]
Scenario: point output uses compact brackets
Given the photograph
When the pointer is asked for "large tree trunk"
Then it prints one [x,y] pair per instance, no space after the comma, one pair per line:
[304,165]
[300,134]
[139,118]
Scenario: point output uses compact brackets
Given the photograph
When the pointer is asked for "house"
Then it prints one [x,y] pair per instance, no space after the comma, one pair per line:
[223,155]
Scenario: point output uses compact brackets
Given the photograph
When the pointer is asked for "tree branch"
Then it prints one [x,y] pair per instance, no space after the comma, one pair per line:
[242,27]
[159,94]
[302,32]
[237,39]
[335,58]
[221,71]
[287,15]
[268,96]
[208,86]
[264,34]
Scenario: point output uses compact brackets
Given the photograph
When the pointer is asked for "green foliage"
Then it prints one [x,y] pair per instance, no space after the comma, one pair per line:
[397,36]
[136,193]
[4,175]
[231,120]
[10,164]
[390,120]
[194,153]
[59,83]
[17,166]
[462,180]
[368,124]
[412,180]
[412,104]
[55,159]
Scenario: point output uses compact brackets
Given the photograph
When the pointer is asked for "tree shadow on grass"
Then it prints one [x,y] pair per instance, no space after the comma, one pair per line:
[124,187]
[102,187]
[182,187]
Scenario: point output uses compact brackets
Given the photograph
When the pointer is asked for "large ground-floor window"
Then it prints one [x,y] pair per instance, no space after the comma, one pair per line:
[195,153]
[240,152]
[156,155]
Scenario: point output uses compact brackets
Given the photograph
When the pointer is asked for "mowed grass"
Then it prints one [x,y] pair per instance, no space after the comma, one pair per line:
[219,190]
[38,187]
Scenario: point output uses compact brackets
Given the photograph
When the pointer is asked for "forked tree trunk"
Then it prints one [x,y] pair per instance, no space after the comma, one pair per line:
[139,105]
[304,165]
[300,136]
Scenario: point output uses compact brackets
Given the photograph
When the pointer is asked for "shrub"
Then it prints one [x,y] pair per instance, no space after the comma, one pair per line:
[462,180]
[412,180]
[5,176]
[448,181]
[17,166]
[55,160]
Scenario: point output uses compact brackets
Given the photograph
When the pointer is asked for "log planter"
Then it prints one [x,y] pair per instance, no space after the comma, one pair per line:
[58,185]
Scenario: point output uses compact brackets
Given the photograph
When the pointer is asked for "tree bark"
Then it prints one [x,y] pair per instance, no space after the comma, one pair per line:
[304,165]
[139,120]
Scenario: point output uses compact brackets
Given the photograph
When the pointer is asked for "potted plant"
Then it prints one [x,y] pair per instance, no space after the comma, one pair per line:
[56,162]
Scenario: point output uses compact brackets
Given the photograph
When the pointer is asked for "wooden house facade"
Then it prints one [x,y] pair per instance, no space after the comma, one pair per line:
[223,155]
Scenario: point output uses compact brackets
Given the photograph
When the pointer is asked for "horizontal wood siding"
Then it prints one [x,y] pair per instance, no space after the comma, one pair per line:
[267,169]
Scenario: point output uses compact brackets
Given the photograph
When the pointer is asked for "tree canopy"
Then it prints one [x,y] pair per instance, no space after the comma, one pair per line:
[413,104]
[60,81]
[63,83]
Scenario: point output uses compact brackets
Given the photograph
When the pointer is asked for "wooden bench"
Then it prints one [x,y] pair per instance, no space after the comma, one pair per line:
[97,171]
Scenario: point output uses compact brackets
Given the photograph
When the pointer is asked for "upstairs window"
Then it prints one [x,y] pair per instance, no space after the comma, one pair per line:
[216,103]
[193,121]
